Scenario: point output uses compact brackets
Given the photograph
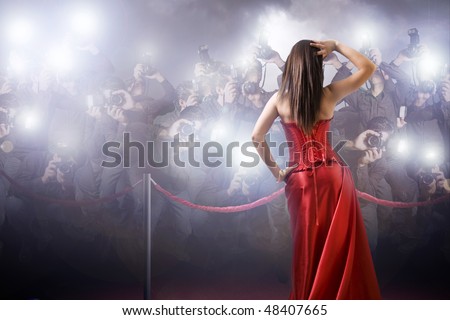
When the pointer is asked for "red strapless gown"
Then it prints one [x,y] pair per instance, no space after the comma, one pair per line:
[331,258]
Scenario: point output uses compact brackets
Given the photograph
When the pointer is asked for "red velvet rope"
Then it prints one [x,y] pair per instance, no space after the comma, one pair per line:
[276,194]
[229,209]
[396,204]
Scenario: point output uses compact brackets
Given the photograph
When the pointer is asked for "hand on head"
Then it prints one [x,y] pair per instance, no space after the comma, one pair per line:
[325,47]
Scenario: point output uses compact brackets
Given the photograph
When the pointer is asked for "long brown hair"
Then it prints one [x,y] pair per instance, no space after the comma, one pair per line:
[302,84]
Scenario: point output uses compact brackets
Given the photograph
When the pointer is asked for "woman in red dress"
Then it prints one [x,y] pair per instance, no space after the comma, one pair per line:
[331,256]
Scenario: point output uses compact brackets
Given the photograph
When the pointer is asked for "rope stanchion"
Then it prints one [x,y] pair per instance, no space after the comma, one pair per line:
[147,186]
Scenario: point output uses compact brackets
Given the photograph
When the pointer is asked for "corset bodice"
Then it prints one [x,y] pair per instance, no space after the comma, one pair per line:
[309,150]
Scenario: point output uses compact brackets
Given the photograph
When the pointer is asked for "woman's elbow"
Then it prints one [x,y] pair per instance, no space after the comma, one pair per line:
[371,67]
[257,137]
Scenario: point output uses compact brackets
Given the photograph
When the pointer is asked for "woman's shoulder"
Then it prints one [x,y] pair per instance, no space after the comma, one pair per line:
[283,107]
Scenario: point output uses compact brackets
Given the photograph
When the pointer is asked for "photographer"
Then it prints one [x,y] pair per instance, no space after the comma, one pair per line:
[10,159]
[41,174]
[224,108]
[69,121]
[369,168]
[143,76]
[425,131]
[429,115]
[34,114]
[381,99]
[265,53]
[444,111]
[133,102]
[255,96]
[135,117]
[187,96]
[92,63]
[423,116]
[434,222]
[4,185]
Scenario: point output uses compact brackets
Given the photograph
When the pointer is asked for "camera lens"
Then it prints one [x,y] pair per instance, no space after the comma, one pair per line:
[374,141]
[186,129]
[427,178]
[117,100]
[65,167]
[250,88]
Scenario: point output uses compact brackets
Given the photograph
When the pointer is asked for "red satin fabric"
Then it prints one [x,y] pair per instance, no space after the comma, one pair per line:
[331,255]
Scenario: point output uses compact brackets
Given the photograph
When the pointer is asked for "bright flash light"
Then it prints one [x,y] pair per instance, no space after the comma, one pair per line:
[430,155]
[17,63]
[428,67]
[283,31]
[29,120]
[20,31]
[60,59]
[85,23]
[277,20]
[244,62]
[364,35]
[403,146]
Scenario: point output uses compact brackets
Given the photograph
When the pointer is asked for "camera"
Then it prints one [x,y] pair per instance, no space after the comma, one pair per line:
[203,54]
[65,166]
[115,100]
[146,61]
[265,51]
[374,141]
[99,100]
[186,129]
[250,88]
[414,41]
[428,177]
[65,153]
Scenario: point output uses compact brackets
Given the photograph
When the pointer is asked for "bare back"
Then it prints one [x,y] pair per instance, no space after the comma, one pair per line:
[326,108]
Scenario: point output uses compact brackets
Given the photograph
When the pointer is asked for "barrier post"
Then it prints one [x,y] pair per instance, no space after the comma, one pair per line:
[147,185]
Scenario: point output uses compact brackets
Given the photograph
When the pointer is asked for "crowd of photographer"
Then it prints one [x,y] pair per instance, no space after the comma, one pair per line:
[54,127]
[409,155]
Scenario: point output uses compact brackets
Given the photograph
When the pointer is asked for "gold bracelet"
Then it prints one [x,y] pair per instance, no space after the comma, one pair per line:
[281,173]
